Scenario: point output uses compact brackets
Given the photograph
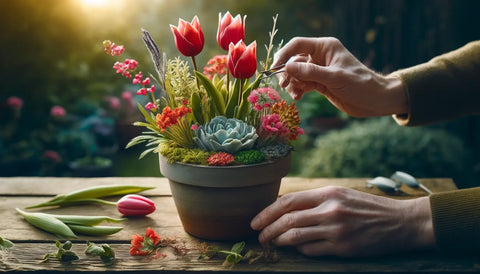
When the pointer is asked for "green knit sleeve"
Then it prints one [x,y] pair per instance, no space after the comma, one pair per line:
[456,220]
[444,88]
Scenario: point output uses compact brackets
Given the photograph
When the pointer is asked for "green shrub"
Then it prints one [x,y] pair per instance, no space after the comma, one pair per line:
[379,147]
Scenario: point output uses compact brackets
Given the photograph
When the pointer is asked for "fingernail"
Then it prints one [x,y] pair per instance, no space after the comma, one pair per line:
[292,68]
[255,224]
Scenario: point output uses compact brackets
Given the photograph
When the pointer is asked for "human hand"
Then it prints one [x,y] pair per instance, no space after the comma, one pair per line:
[325,65]
[345,222]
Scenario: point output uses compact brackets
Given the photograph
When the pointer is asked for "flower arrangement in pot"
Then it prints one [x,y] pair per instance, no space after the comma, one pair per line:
[223,136]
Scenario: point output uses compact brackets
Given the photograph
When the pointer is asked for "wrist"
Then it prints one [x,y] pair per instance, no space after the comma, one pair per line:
[396,95]
[420,217]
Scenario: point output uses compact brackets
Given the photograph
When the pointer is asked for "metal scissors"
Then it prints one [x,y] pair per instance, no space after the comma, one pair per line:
[273,70]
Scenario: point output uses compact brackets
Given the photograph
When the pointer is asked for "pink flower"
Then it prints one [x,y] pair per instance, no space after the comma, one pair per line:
[52,156]
[263,98]
[150,106]
[138,78]
[57,111]
[114,102]
[272,123]
[152,89]
[194,127]
[15,102]
[146,82]
[127,96]
[142,91]
[112,49]
[135,205]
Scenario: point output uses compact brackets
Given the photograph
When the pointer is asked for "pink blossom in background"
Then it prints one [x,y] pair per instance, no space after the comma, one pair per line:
[15,102]
[114,102]
[52,156]
[142,91]
[152,89]
[127,96]
[112,49]
[194,127]
[57,111]
[150,106]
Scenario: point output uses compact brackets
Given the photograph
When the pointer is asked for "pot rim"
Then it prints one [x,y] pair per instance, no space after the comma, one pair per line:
[226,176]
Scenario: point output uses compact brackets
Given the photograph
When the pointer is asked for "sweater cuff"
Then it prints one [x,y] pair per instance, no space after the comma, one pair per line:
[456,220]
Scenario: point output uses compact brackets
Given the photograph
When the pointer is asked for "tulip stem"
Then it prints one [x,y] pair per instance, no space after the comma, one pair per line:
[228,82]
[242,81]
[195,68]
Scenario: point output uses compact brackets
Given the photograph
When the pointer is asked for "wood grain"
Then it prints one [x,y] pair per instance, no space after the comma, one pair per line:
[31,243]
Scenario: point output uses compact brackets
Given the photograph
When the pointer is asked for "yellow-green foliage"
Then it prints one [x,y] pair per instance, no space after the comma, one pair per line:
[173,153]
[179,82]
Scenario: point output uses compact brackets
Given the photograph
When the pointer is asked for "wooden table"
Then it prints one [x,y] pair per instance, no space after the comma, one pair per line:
[31,243]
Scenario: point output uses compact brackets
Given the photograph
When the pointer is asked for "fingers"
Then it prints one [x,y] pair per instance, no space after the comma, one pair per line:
[320,248]
[287,203]
[287,224]
[296,46]
[321,49]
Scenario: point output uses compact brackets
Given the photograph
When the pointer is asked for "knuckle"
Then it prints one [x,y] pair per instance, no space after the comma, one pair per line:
[334,191]
[290,220]
[295,235]
[286,201]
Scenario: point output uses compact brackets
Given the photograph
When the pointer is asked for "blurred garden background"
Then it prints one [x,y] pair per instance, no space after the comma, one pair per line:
[64,112]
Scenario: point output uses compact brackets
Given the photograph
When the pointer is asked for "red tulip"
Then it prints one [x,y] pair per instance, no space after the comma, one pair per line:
[230,30]
[242,60]
[188,37]
[135,205]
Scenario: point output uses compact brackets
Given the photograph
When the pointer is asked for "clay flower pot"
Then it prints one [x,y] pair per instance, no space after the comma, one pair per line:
[218,203]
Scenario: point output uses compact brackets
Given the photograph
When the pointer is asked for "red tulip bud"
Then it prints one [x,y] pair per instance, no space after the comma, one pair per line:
[242,60]
[230,30]
[135,205]
[188,37]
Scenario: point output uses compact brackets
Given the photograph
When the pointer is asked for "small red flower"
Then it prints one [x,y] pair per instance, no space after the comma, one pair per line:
[220,159]
[170,117]
[144,245]
[217,65]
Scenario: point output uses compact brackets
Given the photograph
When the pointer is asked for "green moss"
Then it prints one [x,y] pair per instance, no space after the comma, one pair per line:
[249,157]
[173,153]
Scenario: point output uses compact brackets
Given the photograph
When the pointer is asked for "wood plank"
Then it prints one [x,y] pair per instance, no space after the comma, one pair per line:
[292,184]
[14,227]
[50,186]
[26,257]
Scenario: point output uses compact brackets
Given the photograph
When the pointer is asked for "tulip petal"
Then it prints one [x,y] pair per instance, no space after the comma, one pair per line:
[132,205]
[183,45]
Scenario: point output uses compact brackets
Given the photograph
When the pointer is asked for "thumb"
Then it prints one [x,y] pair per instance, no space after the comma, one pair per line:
[308,72]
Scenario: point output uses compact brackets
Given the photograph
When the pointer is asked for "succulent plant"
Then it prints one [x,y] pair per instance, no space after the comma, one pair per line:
[249,157]
[276,151]
[225,134]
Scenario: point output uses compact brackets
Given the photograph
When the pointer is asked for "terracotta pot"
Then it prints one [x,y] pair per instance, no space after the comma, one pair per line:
[218,203]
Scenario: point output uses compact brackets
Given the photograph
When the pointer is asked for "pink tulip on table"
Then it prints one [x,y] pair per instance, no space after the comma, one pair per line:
[135,205]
